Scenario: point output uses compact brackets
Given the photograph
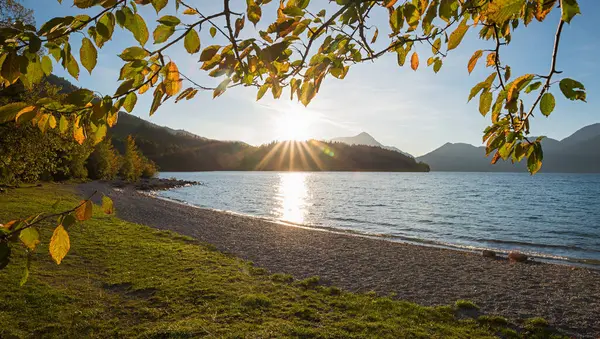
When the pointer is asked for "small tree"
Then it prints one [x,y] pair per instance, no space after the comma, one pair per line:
[104,163]
[131,168]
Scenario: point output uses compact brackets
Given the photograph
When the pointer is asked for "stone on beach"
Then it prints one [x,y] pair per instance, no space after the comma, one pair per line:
[517,257]
[488,254]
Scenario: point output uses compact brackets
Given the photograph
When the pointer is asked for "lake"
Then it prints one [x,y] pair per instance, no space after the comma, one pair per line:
[555,216]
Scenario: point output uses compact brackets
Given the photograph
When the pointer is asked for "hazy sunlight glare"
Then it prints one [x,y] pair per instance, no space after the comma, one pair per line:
[291,196]
[294,123]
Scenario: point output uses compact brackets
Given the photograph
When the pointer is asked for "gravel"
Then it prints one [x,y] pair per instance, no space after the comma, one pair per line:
[568,297]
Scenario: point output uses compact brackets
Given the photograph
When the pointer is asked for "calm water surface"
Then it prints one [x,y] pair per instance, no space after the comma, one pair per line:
[550,215]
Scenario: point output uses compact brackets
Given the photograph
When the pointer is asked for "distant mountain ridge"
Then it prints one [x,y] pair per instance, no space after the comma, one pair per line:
[577,153]
[180,151]
[366,139]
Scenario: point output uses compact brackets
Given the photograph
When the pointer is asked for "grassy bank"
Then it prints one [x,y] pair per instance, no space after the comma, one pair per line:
[121,279]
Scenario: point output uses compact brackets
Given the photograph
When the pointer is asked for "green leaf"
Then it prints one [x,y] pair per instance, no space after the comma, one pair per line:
[4,254]
[572,89]
[100,134]
[30,237]
[107,205]
[485,102]
[547,104]
[88,54]
[105,28]
[124,87]
[162,33]
[209,52]
[138,28]
[533,87]
[261,91]
[159,5]
[9,112]
[80,97]
[254,12]
[133,53]
[437,65]
[11,67]
[447,9]
[27,268]
[73,67]
[221,88]
[63,124]
[569,9]
[68,221]
[499,11]
[169,20]
[130,101]
[534,160]
[213,31]
[307,92]
[458,34]
[47,65]
[191,42]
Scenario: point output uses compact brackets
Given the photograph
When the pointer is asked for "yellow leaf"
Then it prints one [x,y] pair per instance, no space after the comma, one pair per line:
[491,59]
[111,119]
[458,34]
[84,212]
[59,244]
[172,80]
[30,237]
[10,224]
[517,86]
[414,61]
[28,111]
[543,8]
[390,3]
[107,205]
[52,121]
[190,11]
[78,134]
[473,60]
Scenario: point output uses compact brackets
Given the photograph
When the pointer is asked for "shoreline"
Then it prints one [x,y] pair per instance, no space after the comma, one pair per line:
[502,254]
[567,296]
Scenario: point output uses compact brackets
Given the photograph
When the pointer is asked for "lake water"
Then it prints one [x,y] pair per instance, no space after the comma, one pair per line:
[547,215]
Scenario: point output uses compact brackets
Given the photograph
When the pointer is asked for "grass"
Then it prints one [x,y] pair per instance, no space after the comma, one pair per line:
[126,280]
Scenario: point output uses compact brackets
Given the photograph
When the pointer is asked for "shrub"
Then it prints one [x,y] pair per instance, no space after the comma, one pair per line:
[466,304]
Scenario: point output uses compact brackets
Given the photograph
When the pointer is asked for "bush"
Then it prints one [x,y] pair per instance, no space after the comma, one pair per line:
[466,304]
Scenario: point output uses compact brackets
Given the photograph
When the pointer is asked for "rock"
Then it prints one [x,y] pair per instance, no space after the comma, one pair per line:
[488,254]
[517,257]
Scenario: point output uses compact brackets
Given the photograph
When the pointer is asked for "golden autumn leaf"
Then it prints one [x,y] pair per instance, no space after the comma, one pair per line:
[84,212]
[78,134]
[414,61]
[491,59]
[473,60]
[59,244]
[172,81]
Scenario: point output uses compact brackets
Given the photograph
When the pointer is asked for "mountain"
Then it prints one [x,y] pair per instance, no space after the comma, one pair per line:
[578,153]
[366,139]
[179,150]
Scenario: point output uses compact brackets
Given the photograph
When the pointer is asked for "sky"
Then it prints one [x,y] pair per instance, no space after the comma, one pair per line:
[414,111]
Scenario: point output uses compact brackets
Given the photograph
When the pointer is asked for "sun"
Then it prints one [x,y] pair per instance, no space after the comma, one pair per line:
[294,123]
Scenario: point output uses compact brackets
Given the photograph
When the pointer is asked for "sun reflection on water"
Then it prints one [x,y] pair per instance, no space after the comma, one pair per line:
[291,197]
